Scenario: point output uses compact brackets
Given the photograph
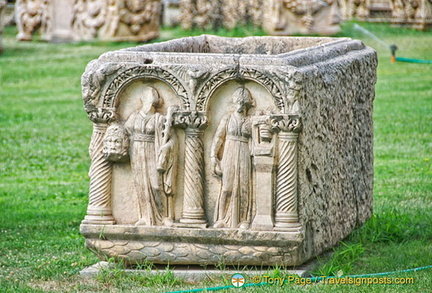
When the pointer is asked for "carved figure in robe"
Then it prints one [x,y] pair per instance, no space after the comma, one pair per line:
[231,161]
[153,157]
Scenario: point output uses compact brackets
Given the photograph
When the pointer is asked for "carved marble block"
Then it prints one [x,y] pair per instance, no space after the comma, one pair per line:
[116,20]
[242,151]
[288,17]
[52,18]
[88,20]
[32,15]
[406,13]
[222,13]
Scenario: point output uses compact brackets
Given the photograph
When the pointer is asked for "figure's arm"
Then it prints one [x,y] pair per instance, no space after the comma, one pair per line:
[218,141]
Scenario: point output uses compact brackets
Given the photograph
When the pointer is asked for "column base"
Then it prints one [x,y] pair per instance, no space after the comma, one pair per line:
[194,217]
[99,216]
[288,227]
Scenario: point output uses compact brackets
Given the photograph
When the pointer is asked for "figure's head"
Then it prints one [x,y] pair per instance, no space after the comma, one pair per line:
[116,143]
[150,98]
[242,98]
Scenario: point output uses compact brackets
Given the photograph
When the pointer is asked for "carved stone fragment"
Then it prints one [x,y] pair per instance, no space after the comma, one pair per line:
[411,13]
[87,20]
[234,150]
[31,15]
[277,17]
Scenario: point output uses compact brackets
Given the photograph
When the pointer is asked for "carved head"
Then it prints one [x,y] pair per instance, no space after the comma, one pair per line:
[151,99]
[116,143]
[242,98]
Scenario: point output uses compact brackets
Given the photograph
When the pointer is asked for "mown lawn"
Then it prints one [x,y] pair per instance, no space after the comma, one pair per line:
[44,164]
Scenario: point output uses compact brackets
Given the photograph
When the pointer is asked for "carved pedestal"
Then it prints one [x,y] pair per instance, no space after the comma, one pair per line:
[209,150]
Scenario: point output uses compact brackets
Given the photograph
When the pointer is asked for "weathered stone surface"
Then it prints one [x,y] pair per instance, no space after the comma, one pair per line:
[253,151]
[406,13]
[51,17]
[288,17]
[277,17]
[116,20]
[85,20]
[31,15]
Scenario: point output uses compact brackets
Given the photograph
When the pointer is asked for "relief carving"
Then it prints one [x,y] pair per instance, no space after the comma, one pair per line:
[194,123]
[286,214]
[234,73]
[248,165]
[132,20]
[89,16]
[153,156]
[142,72]
[116,144]
[32,15]
[100,173]
[231,161]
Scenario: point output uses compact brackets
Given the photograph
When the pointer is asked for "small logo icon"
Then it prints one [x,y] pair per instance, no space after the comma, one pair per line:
[238,280]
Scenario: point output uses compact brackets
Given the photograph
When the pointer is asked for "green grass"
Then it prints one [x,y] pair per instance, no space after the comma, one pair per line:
[44,164]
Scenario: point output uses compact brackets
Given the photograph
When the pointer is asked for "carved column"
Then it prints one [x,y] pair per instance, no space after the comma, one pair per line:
[286,214]
[99,208]
[193,202]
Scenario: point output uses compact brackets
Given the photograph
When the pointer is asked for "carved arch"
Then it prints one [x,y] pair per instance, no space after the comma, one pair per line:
[239,74]
[144,72]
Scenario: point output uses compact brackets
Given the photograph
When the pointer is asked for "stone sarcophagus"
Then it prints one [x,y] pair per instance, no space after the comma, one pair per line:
[209,150]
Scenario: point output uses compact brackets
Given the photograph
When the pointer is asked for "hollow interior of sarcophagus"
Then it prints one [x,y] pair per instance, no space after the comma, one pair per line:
[222,45]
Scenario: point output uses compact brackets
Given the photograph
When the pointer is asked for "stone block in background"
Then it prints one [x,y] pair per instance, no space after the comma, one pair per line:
[276,17]
[171,13]
[242,151]
[403,13]
[290,17]
[84,20]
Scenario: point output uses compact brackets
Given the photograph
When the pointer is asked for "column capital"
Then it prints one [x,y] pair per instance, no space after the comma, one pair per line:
[101,115]
[191,120]
[286,123]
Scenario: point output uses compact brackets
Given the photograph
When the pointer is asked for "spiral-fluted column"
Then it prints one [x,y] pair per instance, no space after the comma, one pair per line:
[286,214]
[99,208]
[193,201]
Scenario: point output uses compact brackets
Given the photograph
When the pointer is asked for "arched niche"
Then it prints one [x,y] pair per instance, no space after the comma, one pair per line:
[128,101]
[148,73]
[220,104]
